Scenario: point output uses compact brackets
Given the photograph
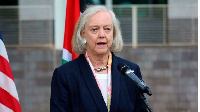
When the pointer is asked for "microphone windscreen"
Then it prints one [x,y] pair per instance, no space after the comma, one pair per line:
[122,68]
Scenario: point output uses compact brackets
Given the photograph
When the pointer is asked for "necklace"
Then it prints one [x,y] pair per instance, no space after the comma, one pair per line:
[101,69]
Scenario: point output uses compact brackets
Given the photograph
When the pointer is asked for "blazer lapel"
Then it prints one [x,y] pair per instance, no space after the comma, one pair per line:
[91,83]
[115,84]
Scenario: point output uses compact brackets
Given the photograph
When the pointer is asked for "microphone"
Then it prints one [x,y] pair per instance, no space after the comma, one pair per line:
[126,71]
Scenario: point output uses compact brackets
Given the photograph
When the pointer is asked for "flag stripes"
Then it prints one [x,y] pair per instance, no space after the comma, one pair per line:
[66,55]
[3,52]
[4,108]
[8,85]
[9,100]
[72,15]
[5,67]
[73,11]
[6,99]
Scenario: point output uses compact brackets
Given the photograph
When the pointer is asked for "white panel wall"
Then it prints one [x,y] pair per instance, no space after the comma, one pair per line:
[35,9]
[46,10]
[183,9]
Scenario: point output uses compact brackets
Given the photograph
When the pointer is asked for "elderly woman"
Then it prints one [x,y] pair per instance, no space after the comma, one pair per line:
[92,82]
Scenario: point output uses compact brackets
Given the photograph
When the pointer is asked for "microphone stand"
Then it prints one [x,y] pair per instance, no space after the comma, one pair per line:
[148,91]
[145,101]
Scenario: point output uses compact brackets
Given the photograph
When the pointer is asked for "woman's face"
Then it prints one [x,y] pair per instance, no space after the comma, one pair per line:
[99,33]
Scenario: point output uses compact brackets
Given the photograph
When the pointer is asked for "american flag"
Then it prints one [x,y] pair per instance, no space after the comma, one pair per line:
[9,100]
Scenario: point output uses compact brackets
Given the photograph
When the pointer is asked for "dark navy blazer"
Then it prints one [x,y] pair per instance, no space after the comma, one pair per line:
[74,89]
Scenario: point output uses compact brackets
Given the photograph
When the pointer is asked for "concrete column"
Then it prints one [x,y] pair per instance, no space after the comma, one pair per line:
[109,4]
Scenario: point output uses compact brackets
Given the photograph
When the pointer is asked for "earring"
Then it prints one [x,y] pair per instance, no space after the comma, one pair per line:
[84,41]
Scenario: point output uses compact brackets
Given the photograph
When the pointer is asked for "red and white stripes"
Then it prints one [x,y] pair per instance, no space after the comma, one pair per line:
[9,100]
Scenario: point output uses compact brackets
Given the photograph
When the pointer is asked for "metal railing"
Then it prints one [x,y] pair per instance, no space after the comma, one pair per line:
[26,26]
[142,25]
[150,25]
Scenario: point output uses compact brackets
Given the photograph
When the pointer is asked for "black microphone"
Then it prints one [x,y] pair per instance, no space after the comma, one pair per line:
[126,71]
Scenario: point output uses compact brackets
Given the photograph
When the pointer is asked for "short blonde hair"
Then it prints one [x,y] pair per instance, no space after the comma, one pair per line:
[78,44]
